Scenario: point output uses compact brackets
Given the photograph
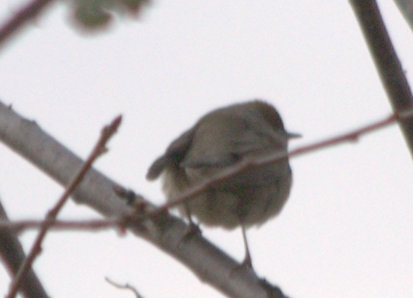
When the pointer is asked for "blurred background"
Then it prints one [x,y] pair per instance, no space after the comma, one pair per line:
[346,230]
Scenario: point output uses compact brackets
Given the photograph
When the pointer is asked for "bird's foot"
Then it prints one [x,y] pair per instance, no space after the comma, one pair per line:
[192,230]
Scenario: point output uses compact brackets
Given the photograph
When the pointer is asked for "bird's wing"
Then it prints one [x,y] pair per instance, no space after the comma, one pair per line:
[174,154]
[224,149]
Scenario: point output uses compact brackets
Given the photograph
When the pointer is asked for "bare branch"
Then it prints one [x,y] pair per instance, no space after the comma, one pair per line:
[19,226]
[12,253]
[137,201]
[246,164]
[167,232]
[100,224]
[386,61]
[99,148]
[25,14]
[125,286]
[406,7]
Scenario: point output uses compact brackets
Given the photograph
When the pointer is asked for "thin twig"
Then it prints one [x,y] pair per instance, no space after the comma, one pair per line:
[106,134]
[248,163]
[28,12]
[97,192]
[99,224]
[225,174]
[387,63]
[125,286]
[13,255]
[351,136]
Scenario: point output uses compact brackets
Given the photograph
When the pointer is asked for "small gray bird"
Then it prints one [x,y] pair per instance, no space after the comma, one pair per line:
[220,139]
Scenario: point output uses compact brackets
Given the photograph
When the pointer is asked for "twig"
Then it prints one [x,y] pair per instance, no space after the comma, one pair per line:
[125,286]
[99,224]
[387,63]
[87,224]
[99,149]
[248,163]
[28,12]
[205,260]
[12,253]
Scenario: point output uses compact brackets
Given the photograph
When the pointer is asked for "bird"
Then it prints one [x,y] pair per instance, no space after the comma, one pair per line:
[221,139]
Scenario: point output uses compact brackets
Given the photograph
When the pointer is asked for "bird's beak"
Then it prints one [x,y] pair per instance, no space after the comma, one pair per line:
[293,135]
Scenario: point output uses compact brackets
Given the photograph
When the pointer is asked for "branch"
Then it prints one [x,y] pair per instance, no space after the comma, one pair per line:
[386,61]
[25,14]
[12,253]
[99,149]
[167,232]
[125,287]
[246,164]
[406,7]
[148,232]
[227,173]
[19,226]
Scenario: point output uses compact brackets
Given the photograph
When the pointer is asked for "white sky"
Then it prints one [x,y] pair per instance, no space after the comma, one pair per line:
[346,230]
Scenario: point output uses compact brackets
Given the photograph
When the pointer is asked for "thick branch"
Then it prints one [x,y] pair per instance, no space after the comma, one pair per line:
[406,7]
[97,224]
[386,61]
[96,190]
[20,226]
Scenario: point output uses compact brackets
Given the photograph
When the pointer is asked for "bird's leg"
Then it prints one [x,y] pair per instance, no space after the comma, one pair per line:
[193,228]
[247,262]
[247,259]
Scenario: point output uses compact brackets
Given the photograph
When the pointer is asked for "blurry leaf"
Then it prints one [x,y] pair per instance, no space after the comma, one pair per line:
[91,14]
[133,4]
[96,14]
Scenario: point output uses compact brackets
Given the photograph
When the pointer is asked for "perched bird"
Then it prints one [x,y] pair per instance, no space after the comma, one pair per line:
[218,140]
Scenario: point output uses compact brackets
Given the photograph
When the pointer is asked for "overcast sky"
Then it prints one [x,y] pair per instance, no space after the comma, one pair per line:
[346,230]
